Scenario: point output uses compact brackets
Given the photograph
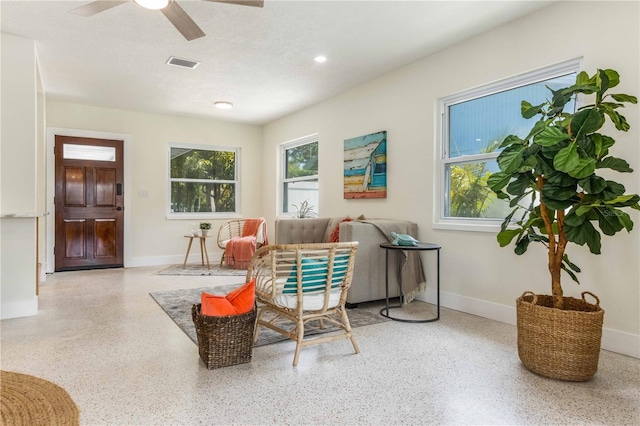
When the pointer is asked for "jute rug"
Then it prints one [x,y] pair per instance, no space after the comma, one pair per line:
[177,304]
[198,269]
[31,401]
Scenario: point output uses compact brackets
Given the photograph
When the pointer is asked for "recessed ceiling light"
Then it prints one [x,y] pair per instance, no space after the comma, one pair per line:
[223,105]
[320,59]
[153,4]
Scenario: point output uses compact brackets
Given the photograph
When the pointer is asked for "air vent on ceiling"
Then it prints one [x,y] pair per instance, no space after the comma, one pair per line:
[184,63]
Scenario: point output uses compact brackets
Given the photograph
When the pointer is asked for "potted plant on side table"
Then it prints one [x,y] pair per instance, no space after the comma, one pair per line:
[553,170]
[204,228]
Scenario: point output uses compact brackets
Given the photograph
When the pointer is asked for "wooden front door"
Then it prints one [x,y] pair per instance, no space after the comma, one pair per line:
[89,203]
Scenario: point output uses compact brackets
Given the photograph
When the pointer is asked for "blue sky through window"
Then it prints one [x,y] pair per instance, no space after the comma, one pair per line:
[475,124]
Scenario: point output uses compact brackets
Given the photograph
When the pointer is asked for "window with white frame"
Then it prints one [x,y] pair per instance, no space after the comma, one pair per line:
[203,181]
[300,174]
[474,124]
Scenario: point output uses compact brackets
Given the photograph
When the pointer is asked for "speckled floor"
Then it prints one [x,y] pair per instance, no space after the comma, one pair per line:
[122,359]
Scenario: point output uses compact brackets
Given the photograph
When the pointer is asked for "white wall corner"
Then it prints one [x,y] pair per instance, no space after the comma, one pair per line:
[612,340]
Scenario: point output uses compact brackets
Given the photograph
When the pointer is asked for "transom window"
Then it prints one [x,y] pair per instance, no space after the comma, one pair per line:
[300,174]
[474,124]
[203,181]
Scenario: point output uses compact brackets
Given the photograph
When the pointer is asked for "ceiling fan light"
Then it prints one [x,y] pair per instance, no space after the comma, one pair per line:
[153,4]
[223,105]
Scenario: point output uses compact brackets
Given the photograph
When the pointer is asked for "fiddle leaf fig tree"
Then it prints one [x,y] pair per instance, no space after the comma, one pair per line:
[550,177]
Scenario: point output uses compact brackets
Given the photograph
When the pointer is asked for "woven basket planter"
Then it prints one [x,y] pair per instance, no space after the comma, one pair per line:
[224,341]
[559,343]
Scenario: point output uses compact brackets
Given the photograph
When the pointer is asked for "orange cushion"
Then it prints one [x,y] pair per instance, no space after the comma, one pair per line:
[335,234]
[239,301]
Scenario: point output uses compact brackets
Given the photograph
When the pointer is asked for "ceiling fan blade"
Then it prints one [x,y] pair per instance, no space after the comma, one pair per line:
[254,3]
[96,7]
[183,22]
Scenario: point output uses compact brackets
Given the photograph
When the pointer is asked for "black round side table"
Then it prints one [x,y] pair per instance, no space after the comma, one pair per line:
[420,247]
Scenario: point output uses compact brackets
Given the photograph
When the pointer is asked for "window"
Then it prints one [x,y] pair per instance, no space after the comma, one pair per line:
[474,123]
[203,181]
[300,174]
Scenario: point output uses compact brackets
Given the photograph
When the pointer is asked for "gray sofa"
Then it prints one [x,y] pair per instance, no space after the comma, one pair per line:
[369,271]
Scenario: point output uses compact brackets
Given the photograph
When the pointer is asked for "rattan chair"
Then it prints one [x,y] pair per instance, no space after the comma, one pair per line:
[301,286]
[235,228]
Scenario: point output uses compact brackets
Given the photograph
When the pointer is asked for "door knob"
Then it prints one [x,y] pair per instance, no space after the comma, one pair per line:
[119,208]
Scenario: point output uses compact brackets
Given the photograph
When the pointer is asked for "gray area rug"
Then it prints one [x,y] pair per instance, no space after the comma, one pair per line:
[177,304]
[198,269]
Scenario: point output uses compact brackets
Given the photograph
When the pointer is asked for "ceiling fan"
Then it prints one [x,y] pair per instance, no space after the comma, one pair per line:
[170,8]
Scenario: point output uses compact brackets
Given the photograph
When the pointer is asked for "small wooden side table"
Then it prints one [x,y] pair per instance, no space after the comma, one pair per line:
[203,249]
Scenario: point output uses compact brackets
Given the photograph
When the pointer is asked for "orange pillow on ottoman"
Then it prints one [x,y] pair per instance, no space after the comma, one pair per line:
[239,301]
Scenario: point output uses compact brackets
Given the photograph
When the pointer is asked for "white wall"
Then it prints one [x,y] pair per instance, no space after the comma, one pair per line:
[20,153]
[152,238]
[477,275]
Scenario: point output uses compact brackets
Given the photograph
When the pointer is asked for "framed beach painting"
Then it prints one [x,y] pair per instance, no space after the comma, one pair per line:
[365,166]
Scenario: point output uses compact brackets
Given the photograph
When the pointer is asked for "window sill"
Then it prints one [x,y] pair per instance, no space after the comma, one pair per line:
[469,226]
[201,216]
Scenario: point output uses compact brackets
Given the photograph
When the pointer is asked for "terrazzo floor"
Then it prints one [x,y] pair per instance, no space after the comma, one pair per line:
[124,362]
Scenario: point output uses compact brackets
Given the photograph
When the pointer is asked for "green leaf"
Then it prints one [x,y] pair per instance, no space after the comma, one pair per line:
[617,164]
[621,97]
[608,221]
[550,136]
[501,195]
[518,186]
[570,273]
[510,140]
[571,265]
[529,111]
[561,179]
[613,77]
[583,234]
[623,200]
[507,220]
[583,79]
[574,218]
[602,81]
[593,184]
[585,122]
[529,164]
[585,167]
[612,191]
[510,159]
[567,158]
[556,204]
[522,245]
[618,120]
[498,180]
[581,211]
[537,128]
[505,237]
[624,219]
[558,192]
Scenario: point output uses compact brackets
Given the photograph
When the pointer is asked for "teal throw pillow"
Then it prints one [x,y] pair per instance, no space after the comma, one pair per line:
[314,274]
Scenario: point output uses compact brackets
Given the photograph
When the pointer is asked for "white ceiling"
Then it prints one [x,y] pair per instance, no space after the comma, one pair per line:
[260,59]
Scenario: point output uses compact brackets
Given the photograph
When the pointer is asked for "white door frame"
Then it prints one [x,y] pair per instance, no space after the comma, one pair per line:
[51,182]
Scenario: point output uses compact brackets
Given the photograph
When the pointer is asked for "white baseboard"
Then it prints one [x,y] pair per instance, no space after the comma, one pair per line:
[170,260]
[26,308]
[612,340]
